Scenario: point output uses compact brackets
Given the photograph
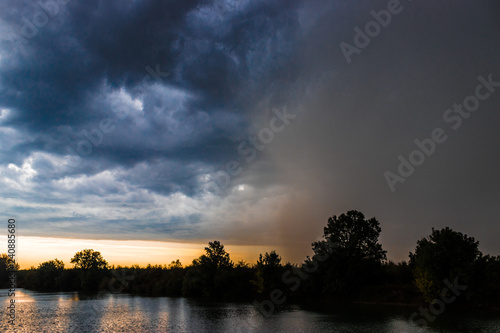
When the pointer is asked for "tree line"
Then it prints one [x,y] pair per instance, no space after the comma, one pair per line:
[349,264]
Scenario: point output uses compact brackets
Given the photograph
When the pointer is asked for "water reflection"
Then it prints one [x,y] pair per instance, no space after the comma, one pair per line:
[72,312]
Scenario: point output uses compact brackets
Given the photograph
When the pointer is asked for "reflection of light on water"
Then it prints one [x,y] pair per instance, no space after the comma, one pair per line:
[69,297]
[21,296]
[66,304]
[403,326]
[65,312]
[36,310]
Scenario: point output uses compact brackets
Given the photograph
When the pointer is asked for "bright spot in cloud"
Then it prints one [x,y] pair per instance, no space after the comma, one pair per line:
[4,113]
[123,104]
[24,173]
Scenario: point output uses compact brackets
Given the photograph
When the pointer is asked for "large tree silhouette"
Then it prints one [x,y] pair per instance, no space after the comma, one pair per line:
[93,268]
[445,254]
[88,259]
[209,274]
[215,257]
[350,256]
[268,274]
[49,275]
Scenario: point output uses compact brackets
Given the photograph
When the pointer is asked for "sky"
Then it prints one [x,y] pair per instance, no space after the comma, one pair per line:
[147,128]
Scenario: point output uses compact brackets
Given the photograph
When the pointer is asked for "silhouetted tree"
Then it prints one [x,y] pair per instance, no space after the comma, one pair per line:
[445,254]
[175,264]
[216,257]
[268,275]
[349,257]
[50,274]
[89,259]
[7,265]
[208,276]
[93,267]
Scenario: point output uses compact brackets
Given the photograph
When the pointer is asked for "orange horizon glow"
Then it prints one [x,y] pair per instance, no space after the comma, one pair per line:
[32,251]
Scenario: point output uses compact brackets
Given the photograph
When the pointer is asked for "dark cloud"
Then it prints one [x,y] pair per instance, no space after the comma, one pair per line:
[87,51]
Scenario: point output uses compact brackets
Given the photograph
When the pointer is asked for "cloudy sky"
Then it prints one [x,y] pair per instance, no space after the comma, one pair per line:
[146,128]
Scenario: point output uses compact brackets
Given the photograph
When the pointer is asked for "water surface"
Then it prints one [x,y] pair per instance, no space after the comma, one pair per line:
[71,312]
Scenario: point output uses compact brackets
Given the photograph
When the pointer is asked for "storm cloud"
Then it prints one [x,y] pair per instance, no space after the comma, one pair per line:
[118,119]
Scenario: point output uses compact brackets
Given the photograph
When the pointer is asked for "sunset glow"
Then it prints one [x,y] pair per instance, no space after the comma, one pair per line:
[34,250]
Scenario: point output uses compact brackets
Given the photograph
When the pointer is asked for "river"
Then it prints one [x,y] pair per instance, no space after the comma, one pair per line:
[72,313]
